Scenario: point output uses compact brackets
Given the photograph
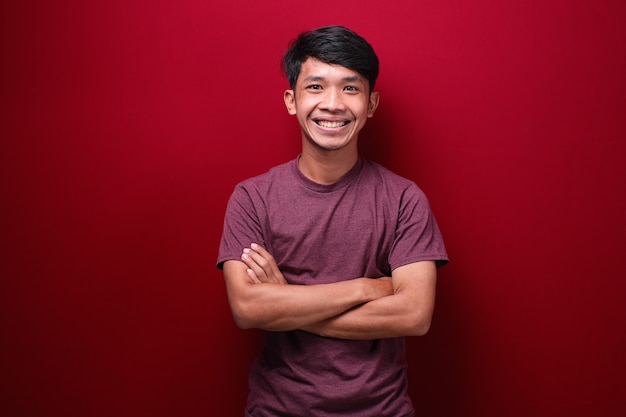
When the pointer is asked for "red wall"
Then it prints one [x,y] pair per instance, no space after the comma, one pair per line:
[126,124]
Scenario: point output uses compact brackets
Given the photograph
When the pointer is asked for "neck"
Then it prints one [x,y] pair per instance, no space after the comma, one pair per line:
[326,167]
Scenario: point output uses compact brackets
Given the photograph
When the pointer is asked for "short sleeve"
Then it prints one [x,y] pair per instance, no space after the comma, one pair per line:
[417,237]
[241,225]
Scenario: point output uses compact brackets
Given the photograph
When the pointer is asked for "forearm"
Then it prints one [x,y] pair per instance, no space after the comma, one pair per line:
[379,319]
[408,312]
[278,307]
[288,307]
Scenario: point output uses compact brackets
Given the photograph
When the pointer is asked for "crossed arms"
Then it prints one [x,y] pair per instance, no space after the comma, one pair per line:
[358,309]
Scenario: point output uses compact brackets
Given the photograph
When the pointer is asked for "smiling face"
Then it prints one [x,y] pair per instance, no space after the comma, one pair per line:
[332,104]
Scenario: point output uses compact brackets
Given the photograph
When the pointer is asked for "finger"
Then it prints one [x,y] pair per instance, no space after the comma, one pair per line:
[263,259]
[261,250]
[252,264]
[253,276]
[266,260]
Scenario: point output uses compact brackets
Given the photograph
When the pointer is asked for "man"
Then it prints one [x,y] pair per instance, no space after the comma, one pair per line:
[333,255]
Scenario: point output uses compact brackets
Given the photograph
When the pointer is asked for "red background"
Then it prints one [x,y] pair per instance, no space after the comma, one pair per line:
[125,125]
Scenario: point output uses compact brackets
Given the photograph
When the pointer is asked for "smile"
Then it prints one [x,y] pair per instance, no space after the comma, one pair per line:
[331,125]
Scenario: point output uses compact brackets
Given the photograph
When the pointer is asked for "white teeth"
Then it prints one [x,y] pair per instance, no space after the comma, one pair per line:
[331,125]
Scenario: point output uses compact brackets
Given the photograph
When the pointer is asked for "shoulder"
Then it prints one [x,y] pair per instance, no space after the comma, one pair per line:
[262,182]
[253,194]
[389,179]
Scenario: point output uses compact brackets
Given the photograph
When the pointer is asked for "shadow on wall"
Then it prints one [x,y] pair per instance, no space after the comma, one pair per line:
[396,139]
[392,138]
[376,141]
[437,359]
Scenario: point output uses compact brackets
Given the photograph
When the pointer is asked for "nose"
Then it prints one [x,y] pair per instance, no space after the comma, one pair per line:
[332,100]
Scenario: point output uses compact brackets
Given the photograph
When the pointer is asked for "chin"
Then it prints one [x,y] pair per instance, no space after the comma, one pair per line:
[330,146]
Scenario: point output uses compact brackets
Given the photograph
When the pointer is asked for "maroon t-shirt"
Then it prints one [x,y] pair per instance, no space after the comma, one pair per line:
[366,224]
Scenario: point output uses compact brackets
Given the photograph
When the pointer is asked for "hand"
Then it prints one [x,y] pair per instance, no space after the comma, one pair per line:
[262,267]
[382,287]
[375,288]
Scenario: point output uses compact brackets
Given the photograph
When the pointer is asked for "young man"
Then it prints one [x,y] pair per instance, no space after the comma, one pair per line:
[333,255]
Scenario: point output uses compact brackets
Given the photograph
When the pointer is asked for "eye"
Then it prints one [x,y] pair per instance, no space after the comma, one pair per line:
[314,87]
[351,88]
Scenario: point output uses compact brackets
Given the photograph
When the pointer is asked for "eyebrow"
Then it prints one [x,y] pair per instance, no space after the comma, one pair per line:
[353,78]
[350,79]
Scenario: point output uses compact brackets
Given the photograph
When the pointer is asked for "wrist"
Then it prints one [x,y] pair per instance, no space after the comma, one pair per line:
[375,288]
[368,290]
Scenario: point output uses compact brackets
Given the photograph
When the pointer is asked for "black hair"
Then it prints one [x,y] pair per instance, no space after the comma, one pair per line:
[335,45]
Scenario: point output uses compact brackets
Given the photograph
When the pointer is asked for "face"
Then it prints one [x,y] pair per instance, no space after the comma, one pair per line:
[332,104]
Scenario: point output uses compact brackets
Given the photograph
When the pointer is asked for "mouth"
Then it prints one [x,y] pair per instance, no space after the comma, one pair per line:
[329,124]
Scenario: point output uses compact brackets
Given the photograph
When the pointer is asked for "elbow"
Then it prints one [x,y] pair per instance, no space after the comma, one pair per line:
[242,316]
[419,324]
[247,315]
[242,322]
[422,329]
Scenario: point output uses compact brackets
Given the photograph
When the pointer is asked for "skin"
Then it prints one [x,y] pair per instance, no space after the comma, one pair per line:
[324,95]
[332,104]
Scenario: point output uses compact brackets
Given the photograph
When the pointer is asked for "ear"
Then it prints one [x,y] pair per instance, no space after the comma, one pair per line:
[290,101]
[373,103]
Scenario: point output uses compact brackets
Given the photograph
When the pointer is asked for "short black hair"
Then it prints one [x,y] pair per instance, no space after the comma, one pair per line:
[332,45]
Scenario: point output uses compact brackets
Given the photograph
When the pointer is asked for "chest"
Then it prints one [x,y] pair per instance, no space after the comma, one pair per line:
[324,237]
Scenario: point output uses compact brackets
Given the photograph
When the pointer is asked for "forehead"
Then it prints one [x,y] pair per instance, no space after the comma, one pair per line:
[314,69]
